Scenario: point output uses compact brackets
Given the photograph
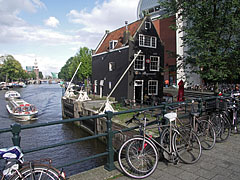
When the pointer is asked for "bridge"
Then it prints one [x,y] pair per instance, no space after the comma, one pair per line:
[44,81]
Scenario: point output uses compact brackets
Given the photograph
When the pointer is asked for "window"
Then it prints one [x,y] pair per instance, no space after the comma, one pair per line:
[147,25]
[147,41]
[154,63]
[152,87]
[139,63]
[151,10]
[112,44]
[157,8]
[111,66]
[110,85]
[95,86]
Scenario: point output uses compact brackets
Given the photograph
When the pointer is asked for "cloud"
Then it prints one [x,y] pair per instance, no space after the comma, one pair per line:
[45,64]
[52,22]
[109,15]
[91,26]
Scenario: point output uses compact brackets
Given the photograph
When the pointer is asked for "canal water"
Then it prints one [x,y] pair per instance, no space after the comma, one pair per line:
[47,99]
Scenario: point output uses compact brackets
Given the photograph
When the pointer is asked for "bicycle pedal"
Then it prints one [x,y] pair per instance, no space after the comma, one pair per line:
[176,161]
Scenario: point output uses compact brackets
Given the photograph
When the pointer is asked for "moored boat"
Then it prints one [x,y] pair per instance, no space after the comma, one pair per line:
[12,95]
[21,109]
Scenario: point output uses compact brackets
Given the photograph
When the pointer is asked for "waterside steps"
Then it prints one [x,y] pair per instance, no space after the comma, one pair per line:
[73,108]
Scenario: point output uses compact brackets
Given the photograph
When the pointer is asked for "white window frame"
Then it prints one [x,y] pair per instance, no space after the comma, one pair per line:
[143,41]
[112,44]
[110,85]
[95,86]
[156,86]
[137,59]
[111,66]
[158,63]
[149,25]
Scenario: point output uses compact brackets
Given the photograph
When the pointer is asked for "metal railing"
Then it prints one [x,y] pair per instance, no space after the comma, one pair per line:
[16,129]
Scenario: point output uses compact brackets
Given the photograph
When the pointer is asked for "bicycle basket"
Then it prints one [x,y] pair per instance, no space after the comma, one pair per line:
[210,105]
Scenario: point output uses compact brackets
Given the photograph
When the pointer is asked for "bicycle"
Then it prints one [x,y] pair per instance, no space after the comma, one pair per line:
[221,125]
[138,156]
[203,128]
[232,112]
[16,169]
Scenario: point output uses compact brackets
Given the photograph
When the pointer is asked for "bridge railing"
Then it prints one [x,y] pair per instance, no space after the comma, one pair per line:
[16,129]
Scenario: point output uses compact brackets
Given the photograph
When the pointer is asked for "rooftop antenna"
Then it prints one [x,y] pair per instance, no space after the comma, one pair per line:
[107,104]
[72,79]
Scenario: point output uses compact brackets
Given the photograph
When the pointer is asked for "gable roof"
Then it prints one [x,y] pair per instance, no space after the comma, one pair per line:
[117,35]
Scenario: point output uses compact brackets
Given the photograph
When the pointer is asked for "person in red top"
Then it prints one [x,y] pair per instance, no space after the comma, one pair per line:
[166,83]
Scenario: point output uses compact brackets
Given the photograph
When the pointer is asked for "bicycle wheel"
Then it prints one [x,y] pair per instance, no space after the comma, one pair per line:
[206,134]
[39,172]
[222,127]
[138,158]
[187,146]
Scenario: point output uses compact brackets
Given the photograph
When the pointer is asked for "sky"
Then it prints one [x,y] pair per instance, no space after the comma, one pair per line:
[52,31]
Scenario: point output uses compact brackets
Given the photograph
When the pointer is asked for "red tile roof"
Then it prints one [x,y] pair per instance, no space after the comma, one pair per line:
[118,35]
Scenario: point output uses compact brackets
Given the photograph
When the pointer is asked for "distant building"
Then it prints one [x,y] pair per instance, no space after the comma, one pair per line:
[36,70]
[144,80]
[29,69]
[54,75]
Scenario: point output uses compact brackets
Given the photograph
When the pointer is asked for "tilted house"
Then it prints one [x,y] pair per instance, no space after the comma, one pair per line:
[117,49]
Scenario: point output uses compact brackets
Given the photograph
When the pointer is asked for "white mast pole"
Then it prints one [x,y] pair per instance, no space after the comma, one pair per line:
[73,77]
[120,79]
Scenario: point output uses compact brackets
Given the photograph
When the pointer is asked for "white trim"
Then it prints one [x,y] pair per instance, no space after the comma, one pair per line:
[151,41]
[150,25]
[158,63]
[136,84]
[113,44]
[156,93]
[99,45]
[143,68]
[111,51]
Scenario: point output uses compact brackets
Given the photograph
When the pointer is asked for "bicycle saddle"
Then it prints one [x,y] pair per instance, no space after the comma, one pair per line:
[171,116]
[11,153]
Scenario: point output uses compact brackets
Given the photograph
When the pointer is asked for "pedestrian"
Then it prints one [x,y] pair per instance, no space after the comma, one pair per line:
[166,83]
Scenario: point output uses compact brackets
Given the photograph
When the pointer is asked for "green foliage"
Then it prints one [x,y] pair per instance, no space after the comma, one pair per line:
[211,33]
[11,69]
[85,70]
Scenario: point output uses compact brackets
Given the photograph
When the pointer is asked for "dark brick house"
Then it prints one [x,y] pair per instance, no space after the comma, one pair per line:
[117,49]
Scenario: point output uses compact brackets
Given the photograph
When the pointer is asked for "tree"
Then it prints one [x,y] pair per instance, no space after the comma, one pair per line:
[85,70]
[65,72]
[211,35]
[11,69]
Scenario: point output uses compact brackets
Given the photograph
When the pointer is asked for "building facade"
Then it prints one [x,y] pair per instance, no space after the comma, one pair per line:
[144,80]
[173,69]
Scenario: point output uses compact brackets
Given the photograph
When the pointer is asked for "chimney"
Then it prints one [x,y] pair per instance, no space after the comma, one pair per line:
[107,31]
[126,25]
[126,34]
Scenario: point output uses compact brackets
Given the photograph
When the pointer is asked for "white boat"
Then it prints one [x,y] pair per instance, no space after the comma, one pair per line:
[12,95]
[21,109]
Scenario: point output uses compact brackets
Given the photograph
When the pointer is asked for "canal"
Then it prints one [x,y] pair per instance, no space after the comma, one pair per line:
[47,99]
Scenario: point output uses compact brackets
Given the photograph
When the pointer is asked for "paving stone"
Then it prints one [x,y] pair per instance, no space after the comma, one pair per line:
[206,165]
[219,177]
[173,170]
[201,178]
[205,174]
[188,176]
[221,171]
[190,167]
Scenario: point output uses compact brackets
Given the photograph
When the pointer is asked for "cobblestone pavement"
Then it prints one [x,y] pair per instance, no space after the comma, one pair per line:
[220,163]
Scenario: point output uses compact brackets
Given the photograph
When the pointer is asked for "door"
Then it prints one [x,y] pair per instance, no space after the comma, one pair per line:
[138,91]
